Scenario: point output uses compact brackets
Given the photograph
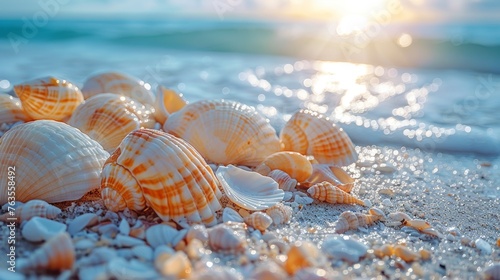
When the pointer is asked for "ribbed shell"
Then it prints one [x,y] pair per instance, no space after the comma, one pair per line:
[53,161]
[280,213]
[294,164]
[173,178]
[118,83]
[329,193]
[33,208]
[108,118]
[11,109]
[333,175]
[224,238]
[259,220]
[49,98]
[167,102]
[310,133]
[349,220]
[284,180]
[225,132]
[57,254]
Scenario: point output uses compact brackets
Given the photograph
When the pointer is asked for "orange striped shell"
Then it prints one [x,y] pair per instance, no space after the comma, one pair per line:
[11,110]
[49,98]
[57,254]
[310,133]
[294,164]
[167,102]
[164,171]
[329,193]
[108,118]
[225,132]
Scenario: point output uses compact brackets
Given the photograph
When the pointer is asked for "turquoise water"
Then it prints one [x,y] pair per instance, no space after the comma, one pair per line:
[442,93]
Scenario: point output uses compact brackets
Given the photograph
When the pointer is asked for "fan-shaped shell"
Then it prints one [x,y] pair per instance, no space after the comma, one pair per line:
[333,175]
[108,118]
[52,161]
[225,132]
[57,254]
[259,220]
[33,208]
[294,164]
[49,98]
[11,110]
[248,189]
[329,193]
[284,180]
[172,177]
[118,83]
[167,102]
[310,133]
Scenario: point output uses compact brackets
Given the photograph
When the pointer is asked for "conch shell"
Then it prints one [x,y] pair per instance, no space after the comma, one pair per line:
[164,171]
[310,133]
[49,98]
[108,118]
[11,109]
[225,132]
[50,161]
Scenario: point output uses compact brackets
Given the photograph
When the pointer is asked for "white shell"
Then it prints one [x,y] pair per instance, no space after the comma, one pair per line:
[230,215]
[176,266]
[161,235]
[123,269]
[280,213]
[40,229]
[223,237]
[33,208]
[124,227]
[197,232]
[121,240]
[344,248]
[57,254]
[81,222]
[247,189]
[284,180]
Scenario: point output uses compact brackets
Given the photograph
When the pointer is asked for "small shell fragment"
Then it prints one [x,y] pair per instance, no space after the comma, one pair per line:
[302,254]
[294,164]
[177,266]
[344,248]
[57,254]
[41,229]
[11,110]
[230,215]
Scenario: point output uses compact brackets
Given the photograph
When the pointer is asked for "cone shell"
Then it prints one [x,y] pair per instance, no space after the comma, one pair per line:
[49,98]
[118,83]
[310,133]
[280,213]
[53,161]
[294,164]
[33,208]
[259,220]
[168,172]
[285,182]
[224,238]
[329,193]
[225,132]
[331,174]
[167,102]
[11,110]
[108,118]
[57,254]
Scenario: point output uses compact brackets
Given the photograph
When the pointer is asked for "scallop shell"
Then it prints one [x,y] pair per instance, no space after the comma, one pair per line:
[33,208]
[225,132]
[331,174]
[11,110]
[167,102]
[108,118]
[248,189]
[49,98]
[53,161]
[167,172]
[224,238]
[259,220]
[285,182]
[329,193]
[294,164]
[57,254]
[118,83]
[280,213]
[310,133]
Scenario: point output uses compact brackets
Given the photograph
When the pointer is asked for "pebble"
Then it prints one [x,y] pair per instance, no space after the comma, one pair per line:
[127,241]
[133,269]
[287,196]
[124,227]
[82,222]
[387,202]
[344,248]
[84,244]
[93,272]
[483,246]
[143,252]
[109,230]
[41,229]
[385,168]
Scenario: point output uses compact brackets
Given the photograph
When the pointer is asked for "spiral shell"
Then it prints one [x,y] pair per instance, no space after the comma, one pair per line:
[280,213]
[294,164]
[331,174]
[108,118]
[310,133]
[33,208]
[164,171]
[52,161]
[352,221]
[49,98]
[57,254]
[118,83]
[167,102]
[329,193]
[11,110]
[259,220]
[224,238]
[225,132]
[285,182]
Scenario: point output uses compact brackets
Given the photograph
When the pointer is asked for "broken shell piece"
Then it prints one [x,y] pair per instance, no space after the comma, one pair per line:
[40,229]
[161,235]
[280,213]
[197,232]
[268,270]
[247,189]
[11,110]
[331,174]
[405,254]
[33,208]
[176,266]
[417,224]
[230,215]
[57,254]
[344,248]
[492,272]
[259,220]
[167,102]
[302,254]
[399,216]
[223,237]
[284,180]
[294,164]
[81,222]
[329,193]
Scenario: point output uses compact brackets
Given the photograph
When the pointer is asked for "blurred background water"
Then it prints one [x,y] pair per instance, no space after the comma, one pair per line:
[391,72]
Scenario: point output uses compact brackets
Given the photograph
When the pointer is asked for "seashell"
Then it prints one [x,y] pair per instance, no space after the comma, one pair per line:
[118,83]
[124,227]
[119,268]
[143,252]
[53,161]
[49,98]
[331,174]
[310,133]
[303,200]
[285,182]
[352,221]
[405,254]
[138,230]
[399,216]
[125,241]
[329,193]
[230,215]
[11,109]
[268,270]
[248,189]
[377,212]
[108,118]
[167,102]
[57,254]
[224,238]
[197,232]
[99,255]
[312,273]
[385,250]
[302,254]
[492,272]
[280,213]
[225,132]
[216,273]
[424,254]
[161,235]
[258,220]
[417,224]
[432,231]
[81,222]
[483,246]
[41,229]
[344,248]
[176,266]
[195,249]
[294,164]
[33,208]
[85,244]
[166,172]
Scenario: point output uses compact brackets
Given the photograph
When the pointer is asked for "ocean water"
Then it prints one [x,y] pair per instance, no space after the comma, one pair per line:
[440,94]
